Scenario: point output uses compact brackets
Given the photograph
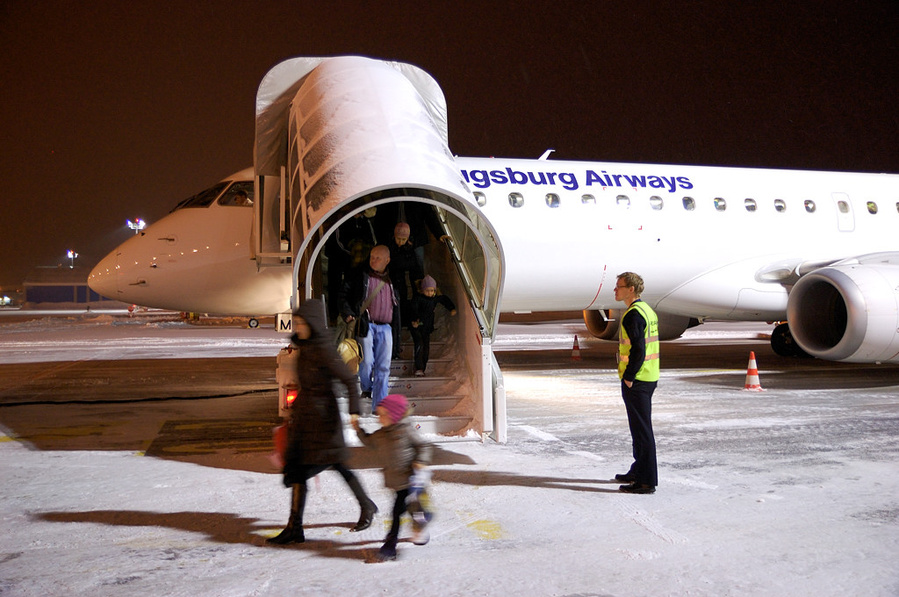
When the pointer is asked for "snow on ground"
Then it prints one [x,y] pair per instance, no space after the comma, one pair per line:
[786,492]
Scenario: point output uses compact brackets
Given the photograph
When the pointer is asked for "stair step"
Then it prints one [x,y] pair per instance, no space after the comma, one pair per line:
[438,430]
[452,425]
[424,405]
[406,367]
[417,385]
[433,405]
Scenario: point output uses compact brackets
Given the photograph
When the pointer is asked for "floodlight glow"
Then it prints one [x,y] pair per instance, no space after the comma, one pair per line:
[137,225]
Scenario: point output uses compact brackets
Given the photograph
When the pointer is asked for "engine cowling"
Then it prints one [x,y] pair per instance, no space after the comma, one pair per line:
[604,324]
[848,312]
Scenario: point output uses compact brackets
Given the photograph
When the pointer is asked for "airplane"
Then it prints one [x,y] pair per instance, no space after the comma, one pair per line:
[814,251]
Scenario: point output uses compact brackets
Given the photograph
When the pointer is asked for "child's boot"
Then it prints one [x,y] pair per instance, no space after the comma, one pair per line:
[420,534]
[388,550]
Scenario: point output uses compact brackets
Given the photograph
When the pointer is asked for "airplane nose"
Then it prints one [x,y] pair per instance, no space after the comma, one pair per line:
[103,279]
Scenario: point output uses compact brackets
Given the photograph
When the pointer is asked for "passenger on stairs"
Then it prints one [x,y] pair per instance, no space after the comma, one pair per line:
[421,320]
[367,297]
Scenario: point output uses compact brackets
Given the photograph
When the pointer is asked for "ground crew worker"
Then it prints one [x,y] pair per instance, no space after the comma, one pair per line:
[638,369]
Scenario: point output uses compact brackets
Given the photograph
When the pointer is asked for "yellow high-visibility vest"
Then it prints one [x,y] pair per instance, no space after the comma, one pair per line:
[650,369]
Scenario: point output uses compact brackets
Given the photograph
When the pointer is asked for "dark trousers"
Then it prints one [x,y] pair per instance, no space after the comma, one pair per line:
[399,506]
[638,403]
[422,341]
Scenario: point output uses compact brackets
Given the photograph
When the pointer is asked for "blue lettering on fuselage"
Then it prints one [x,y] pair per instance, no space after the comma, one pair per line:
[483,179]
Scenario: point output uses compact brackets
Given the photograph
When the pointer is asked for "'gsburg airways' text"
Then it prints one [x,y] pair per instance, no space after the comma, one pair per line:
[482,179]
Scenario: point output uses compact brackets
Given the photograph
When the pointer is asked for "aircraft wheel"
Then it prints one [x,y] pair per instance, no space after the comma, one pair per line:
[253,323]
[783,344]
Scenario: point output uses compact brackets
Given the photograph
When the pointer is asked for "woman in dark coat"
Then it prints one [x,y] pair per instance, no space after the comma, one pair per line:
[314,429]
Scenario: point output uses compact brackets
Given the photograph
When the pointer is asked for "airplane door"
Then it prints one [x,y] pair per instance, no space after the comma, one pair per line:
[845,217]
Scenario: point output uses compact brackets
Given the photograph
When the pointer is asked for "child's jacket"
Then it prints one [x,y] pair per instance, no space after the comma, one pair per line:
[398,446]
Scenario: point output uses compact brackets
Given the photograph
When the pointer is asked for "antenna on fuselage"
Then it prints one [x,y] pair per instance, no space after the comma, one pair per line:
[545,155]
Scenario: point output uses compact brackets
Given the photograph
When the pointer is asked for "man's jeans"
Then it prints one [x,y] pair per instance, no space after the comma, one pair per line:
[374,370]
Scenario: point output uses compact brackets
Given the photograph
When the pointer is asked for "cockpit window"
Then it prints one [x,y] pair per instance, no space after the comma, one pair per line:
[203,198]
[240,194]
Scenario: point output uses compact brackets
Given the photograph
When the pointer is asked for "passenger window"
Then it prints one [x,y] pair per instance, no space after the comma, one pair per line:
[623,200]
[720,204]
[843,207]
[516,199]
[810,206]
[750,204]
[780,205]
[481,198]
[552,200]
[656,202]
[592,199]
[689,203]
[872,207]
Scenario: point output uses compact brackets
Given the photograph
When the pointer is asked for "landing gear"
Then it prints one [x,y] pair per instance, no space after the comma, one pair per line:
[253,323]
[784,345]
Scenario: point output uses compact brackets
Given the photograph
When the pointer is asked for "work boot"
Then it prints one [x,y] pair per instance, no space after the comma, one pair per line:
[293,532]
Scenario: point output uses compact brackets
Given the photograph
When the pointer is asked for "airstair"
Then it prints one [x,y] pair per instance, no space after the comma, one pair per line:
[338,136]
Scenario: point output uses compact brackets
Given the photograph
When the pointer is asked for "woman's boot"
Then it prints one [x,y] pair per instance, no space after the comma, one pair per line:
[369,508]
[293,532]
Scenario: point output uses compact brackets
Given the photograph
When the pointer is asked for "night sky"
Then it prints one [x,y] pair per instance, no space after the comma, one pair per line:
[117,110]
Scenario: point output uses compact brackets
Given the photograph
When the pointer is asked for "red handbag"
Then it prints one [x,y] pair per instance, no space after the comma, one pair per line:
[279,438]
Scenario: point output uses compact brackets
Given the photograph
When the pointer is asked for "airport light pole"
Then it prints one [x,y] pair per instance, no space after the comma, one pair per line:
[72,255]
[137,225]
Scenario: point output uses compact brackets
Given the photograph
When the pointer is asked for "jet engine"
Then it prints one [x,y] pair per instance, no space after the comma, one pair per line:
[848,311]
[602,324]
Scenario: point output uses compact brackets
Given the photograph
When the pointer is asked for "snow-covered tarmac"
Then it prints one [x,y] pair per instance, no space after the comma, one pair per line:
[791,491]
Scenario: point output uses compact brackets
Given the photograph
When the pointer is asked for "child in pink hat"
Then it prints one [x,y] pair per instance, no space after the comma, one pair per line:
[406,456]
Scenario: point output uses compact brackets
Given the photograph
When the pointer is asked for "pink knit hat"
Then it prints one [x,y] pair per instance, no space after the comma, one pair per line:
[396,405]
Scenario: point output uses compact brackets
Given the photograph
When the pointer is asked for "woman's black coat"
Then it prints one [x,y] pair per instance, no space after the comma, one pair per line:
[315,429]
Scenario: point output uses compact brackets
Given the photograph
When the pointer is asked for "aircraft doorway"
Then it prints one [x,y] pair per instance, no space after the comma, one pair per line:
[461,397]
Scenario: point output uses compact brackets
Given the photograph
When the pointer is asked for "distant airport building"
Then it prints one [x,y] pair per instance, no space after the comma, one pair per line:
[61,287]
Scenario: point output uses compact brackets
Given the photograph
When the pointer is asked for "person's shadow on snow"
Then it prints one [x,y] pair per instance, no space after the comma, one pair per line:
[226,528]
[495,478]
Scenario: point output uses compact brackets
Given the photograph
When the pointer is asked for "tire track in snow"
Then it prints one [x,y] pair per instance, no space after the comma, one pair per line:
[645,520]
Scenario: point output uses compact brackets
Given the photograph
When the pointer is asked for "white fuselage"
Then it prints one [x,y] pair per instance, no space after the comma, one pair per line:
[196,259]
[709,241]
[566,230]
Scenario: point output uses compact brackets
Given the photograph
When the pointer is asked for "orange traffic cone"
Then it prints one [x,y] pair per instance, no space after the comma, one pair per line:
[752,375]
[575,350]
